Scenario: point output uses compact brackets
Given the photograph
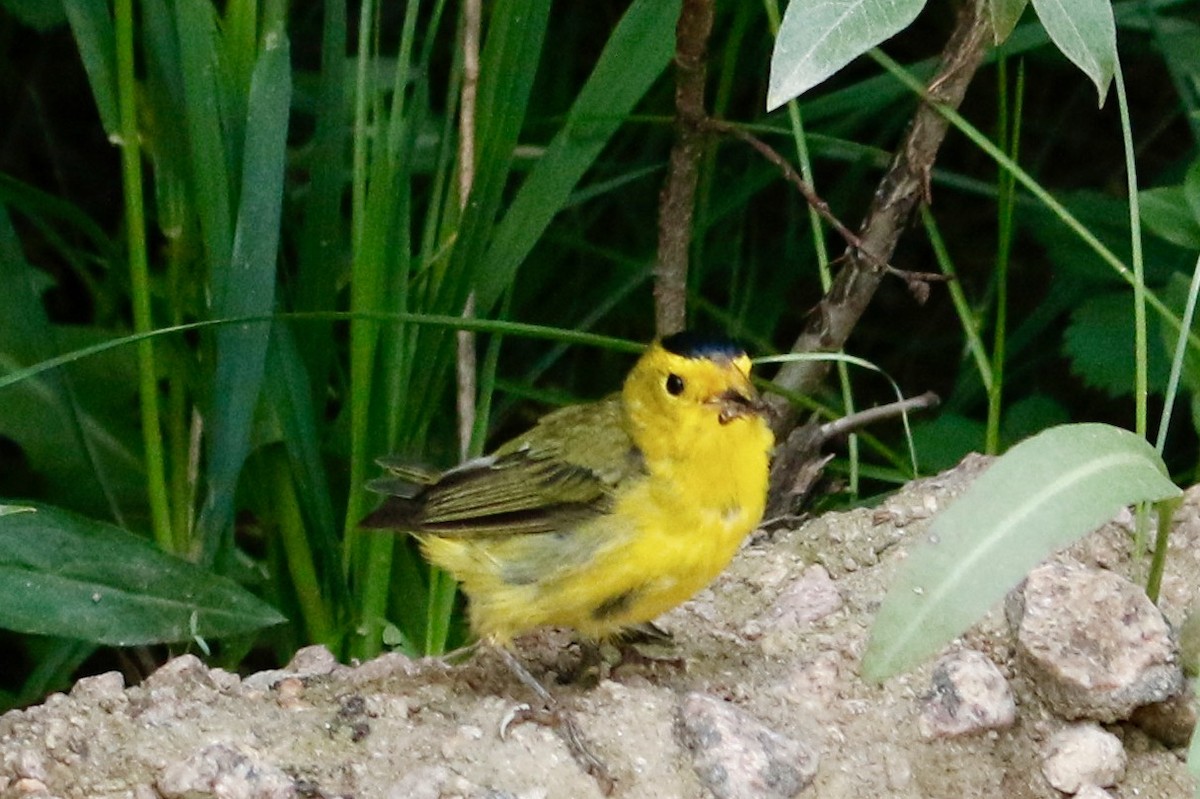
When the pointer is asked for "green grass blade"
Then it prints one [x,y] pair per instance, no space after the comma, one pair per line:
[1041,495]
[323,235]
[58,659]
[635,56]
[241,351]
[139,276]
[57,578]
[95,37]
[290,401]
[196,27]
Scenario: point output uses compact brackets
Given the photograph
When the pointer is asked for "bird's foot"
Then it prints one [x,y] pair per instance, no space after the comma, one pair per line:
[556,718]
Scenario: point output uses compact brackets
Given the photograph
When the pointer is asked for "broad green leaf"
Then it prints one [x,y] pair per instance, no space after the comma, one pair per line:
[76,443]
[1031,414]
[1099,342]
[1041,495]
[39,14]
[1086,34]
[1176,296]
[69,576]
[1191,189]
[942,441]
[1004,16]
[817,39]
[1107,218]
[1167,214]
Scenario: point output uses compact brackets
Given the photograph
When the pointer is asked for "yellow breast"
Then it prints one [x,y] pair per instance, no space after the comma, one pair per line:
[668,535]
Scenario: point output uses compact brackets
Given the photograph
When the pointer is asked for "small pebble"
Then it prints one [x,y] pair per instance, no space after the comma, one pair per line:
[27,786]
[968,695]
[289,693]
[1082,755]
[737,756]
[225,771]
[100,687]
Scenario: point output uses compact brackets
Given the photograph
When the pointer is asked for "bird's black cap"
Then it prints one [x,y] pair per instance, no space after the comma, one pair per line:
[690,344]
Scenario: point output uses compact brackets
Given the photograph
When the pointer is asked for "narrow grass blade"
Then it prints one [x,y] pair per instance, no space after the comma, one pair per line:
[250,289]
[92,25]
[288,394]
[196,27]
[68,576]
[638,51]
[1041,495]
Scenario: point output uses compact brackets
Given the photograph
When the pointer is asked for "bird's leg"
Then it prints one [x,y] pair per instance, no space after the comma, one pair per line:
[648,634]
[590,669]
[558,719]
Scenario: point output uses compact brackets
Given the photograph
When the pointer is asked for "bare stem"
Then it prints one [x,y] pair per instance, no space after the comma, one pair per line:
[467,357]
[902,188]
[676,202]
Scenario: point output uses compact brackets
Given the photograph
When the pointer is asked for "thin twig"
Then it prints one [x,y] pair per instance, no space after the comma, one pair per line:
[852,239]
[676,202]
[902,188]
[467,357]
[855,421]
[806,191]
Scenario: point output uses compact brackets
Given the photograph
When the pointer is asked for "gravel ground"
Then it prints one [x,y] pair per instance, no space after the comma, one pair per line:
[759,696]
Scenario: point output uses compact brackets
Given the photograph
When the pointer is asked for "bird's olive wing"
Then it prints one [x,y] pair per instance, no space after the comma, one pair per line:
[561,472]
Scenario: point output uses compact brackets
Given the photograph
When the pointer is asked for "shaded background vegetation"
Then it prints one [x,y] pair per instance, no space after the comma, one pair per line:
[298,469]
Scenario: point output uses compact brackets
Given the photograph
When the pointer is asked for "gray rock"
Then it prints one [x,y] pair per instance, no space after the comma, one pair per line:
[1092,642]
[1170,722]
[1093,792]
[1082,755]
[309,662]
[736,756]
[968,695]
[224,771]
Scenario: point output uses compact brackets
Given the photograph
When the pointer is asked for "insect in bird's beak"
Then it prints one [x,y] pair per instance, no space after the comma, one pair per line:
[734,404]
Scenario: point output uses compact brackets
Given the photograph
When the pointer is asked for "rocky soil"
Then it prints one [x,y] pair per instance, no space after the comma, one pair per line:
[763,699]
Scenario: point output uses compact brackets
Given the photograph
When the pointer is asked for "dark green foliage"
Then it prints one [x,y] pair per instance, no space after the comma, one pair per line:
[301,167]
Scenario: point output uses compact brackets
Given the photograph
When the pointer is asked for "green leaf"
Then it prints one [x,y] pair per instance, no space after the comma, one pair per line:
[1191,189]
[1176,296]
[41,15]
[817,39]
[1099,342]
[1004,16]
[76,442]
[1043,494]
[1167,214]
[69,576]
[942,441]
[1032,414]
[1086,34]
[248,289]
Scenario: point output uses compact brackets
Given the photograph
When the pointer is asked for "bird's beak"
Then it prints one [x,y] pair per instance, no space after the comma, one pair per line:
[734,403]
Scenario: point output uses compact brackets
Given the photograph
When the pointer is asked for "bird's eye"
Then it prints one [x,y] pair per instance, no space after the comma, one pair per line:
[674,385]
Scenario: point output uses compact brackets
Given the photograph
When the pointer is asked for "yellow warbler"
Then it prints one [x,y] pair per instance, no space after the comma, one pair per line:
[604,515]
